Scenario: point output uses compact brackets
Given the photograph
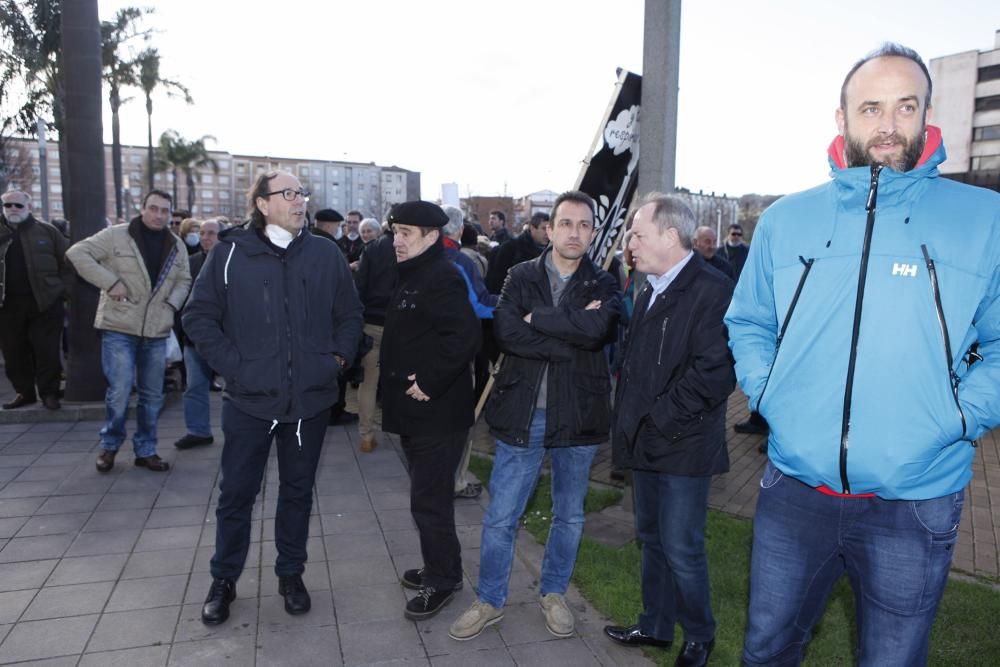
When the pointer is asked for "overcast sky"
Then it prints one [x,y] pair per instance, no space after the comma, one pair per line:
[506,97]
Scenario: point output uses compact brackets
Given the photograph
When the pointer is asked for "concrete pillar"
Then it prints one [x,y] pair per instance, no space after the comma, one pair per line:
[658,115]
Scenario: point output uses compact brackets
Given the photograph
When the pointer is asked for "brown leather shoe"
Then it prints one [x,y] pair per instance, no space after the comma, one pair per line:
[105,460]
[154,463]
[368,444]
[20,400]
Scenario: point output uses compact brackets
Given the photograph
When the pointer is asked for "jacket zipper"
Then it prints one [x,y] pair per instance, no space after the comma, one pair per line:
[784,325]
[288,333]
[845,426]
[952,375]
[663,335]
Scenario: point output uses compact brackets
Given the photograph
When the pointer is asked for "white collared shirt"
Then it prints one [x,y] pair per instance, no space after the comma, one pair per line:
[659,284]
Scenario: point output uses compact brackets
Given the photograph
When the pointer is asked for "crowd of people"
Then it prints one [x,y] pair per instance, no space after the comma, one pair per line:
[873,393]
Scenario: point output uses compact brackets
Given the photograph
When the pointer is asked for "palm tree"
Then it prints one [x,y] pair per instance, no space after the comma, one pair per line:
[80,53]
[176,154]
[149,79]
[32,57]
[119,73]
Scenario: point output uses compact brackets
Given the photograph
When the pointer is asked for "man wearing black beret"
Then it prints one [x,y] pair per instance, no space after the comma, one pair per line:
[431,336]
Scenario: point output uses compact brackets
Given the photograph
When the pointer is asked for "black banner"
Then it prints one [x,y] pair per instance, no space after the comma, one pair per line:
[611,173]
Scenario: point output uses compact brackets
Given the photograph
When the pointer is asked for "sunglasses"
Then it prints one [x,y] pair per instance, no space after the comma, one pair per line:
[10,204]
[736,233]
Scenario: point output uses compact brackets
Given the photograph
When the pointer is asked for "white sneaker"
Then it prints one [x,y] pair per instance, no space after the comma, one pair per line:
[558,617]
[475,619]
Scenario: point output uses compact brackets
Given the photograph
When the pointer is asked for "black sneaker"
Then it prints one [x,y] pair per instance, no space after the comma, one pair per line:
[428,602]
[216,609]
[414,580]
[297,600]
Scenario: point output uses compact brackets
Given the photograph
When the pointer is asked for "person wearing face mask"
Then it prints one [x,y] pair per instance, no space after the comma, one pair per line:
[190,233]
[197,413]
[33,279]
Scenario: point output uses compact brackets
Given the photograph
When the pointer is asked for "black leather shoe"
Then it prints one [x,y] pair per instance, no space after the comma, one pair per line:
[189,441]
[19,402]
[297,600]
[216,608]
[633,636]
[695,654]
[51,402]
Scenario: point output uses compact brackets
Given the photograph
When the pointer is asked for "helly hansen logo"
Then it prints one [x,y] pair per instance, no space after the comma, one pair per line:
[908,270]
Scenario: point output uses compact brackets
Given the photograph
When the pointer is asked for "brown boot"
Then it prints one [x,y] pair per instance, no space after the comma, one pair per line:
[368,444]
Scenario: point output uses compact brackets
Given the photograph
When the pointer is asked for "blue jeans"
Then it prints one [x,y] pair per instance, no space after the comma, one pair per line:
[196,406]
[515,473]
[126,359]
[896,554]
[670,512]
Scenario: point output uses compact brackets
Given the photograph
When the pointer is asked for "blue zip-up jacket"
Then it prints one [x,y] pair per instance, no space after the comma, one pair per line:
[852,325]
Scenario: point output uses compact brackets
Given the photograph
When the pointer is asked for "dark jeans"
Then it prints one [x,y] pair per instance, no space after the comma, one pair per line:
[670,512]
[432,462]
[29,340]
[244,458]
[896,554]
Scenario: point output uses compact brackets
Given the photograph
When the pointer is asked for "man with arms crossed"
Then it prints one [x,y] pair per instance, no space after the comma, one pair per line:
[554,317]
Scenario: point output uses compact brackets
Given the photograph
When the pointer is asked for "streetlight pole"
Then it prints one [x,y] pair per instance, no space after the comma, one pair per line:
[661,46]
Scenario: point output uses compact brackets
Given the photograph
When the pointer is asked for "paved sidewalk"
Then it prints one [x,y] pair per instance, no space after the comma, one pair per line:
[112,569]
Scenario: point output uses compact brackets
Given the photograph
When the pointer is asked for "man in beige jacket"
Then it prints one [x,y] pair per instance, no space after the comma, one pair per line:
[142,271]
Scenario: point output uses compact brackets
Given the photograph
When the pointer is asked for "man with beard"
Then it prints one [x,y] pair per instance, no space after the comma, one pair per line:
[431,335]
[865,329]
[350,242]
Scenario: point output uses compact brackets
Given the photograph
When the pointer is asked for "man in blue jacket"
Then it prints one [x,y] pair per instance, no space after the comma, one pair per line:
[275,312]
[865,328]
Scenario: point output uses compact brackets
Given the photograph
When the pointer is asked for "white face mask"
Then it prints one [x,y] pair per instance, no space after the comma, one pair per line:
[192,239]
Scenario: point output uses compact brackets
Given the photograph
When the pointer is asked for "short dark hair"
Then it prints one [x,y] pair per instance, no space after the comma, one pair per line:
[356,212]
[165,195]
[736,225]
[499,214]
[888,50]
[469,236]
[538,219]
[575,196]
[260,188]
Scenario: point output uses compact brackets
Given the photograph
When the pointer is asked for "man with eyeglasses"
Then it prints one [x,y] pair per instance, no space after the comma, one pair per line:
[734,249]
[142,271]
[274,311]
[33,279]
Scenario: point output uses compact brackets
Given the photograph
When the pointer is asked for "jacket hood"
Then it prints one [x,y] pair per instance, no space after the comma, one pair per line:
[250,238]
[932,145]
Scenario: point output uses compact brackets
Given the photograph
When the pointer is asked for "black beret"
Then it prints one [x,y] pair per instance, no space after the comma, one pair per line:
[418,214]
[328,215]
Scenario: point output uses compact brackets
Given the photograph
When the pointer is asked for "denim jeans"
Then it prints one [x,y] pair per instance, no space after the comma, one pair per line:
[896,554]
[515,474]
[244,458]
[128,359]
[670,512]
[196,407]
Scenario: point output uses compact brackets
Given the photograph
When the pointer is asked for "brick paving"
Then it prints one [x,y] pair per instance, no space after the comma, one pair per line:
[111,569]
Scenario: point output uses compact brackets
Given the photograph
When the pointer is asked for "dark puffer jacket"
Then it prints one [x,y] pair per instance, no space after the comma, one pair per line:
[566,338]
[271,321]
[670,406]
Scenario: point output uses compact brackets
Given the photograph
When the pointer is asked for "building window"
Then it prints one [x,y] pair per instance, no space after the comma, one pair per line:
[989,103]
[208,194]
[207,178]
[989,73]
[223,164]
[224,181]
[988,133]
[986,163]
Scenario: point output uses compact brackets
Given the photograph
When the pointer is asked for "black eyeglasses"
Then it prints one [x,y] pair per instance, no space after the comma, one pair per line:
[289,194]
[736,233]
[11,204]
